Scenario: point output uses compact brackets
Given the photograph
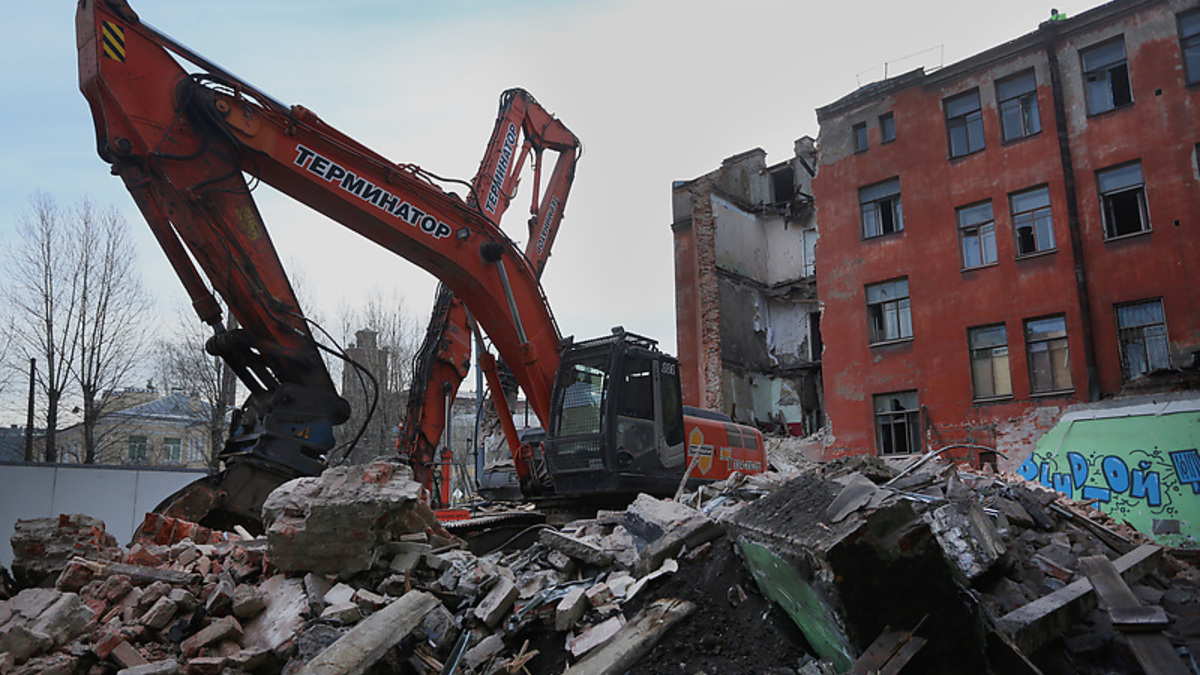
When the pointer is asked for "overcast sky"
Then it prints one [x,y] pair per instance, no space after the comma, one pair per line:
[657,90]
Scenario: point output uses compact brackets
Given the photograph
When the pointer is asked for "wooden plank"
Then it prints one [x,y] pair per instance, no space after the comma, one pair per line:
[367,642]
[879,652]
[634,640]
[1153,651]
[902,656]
[1132,619]
[1037,623]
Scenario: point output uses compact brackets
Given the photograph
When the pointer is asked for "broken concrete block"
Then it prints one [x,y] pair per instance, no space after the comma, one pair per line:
[497,602]
[560,561]
[967,537]
[42,546]
[691,534]
[580,550]
[127,656]
[407,555]
[222,628]
[167,667]
[342,612]
[220,599]
[339,594]
[205,665]
[247,601]
[479,654]
[368,601]
[570,608]
[159,615]
[22,642]
[635,639]
[649,518]
[599,595]
[595,636]
[367,642]
[183,598]
[338,523]
[283,618]
[439,628]
[316,586]
[843,583]
[65,619]
[435,562]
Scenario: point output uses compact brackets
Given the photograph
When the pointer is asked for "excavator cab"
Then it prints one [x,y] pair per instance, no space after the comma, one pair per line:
[616,418]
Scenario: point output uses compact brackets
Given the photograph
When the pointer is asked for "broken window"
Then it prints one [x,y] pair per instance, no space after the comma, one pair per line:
[1049,358]
[139,449]
[783,184]
[172,450]
[897,423]
[977,231]
[888,314]
[1123,200]
[809,238]
[860,137]
[887,128]
[989,362]
[880,204]
[1106,76]
[1032,224]
[964,123]
[1142,333]
[1018,106]
[1189,45]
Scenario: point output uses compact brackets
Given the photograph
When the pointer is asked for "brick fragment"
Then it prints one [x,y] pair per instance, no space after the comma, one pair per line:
[222,628]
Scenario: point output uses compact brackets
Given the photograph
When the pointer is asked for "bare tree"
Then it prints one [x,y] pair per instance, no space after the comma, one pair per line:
[395,333]
[112,307]
[183,363]
[43,293]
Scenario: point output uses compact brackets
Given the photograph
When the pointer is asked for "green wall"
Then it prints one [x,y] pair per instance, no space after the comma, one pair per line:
[1142,466]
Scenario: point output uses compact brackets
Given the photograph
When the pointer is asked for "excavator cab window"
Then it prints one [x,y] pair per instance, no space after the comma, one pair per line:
[582,400]
[672,402]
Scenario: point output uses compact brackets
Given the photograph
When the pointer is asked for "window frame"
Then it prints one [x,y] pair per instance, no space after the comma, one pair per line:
[968,120]
[142,446]
[1140,329]
[887,128]
[875,197]
[901,308]
[1190,43]
[172,444]
[1026,103]
[1030,342]
[980,231]
[1106,70]
[1034,212]
[861,141]
[887,420]
[1105,197]
[975,353]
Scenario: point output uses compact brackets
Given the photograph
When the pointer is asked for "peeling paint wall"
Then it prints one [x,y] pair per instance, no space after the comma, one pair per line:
[745,292]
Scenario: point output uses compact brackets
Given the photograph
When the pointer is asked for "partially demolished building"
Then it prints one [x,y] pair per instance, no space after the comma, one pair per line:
[747,318]
[1012,234]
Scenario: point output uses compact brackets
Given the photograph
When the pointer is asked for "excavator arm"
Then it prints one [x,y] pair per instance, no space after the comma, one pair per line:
[524,130]
[184,144]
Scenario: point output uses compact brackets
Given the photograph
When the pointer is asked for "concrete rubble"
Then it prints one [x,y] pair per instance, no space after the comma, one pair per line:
[850,566]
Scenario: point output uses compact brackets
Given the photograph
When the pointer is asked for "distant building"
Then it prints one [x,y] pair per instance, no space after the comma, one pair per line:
[1012,234]
[746,312]
[142,427]
[12,443]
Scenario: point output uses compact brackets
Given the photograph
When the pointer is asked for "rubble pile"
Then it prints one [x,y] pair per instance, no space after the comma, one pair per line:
[850,566]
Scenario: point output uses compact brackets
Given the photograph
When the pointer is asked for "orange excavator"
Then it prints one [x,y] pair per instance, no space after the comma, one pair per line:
[184,144]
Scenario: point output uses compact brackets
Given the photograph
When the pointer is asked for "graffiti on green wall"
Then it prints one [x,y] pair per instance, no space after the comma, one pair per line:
[1143,468]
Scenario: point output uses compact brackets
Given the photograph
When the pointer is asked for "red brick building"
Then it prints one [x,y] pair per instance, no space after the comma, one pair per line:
[1011,234]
